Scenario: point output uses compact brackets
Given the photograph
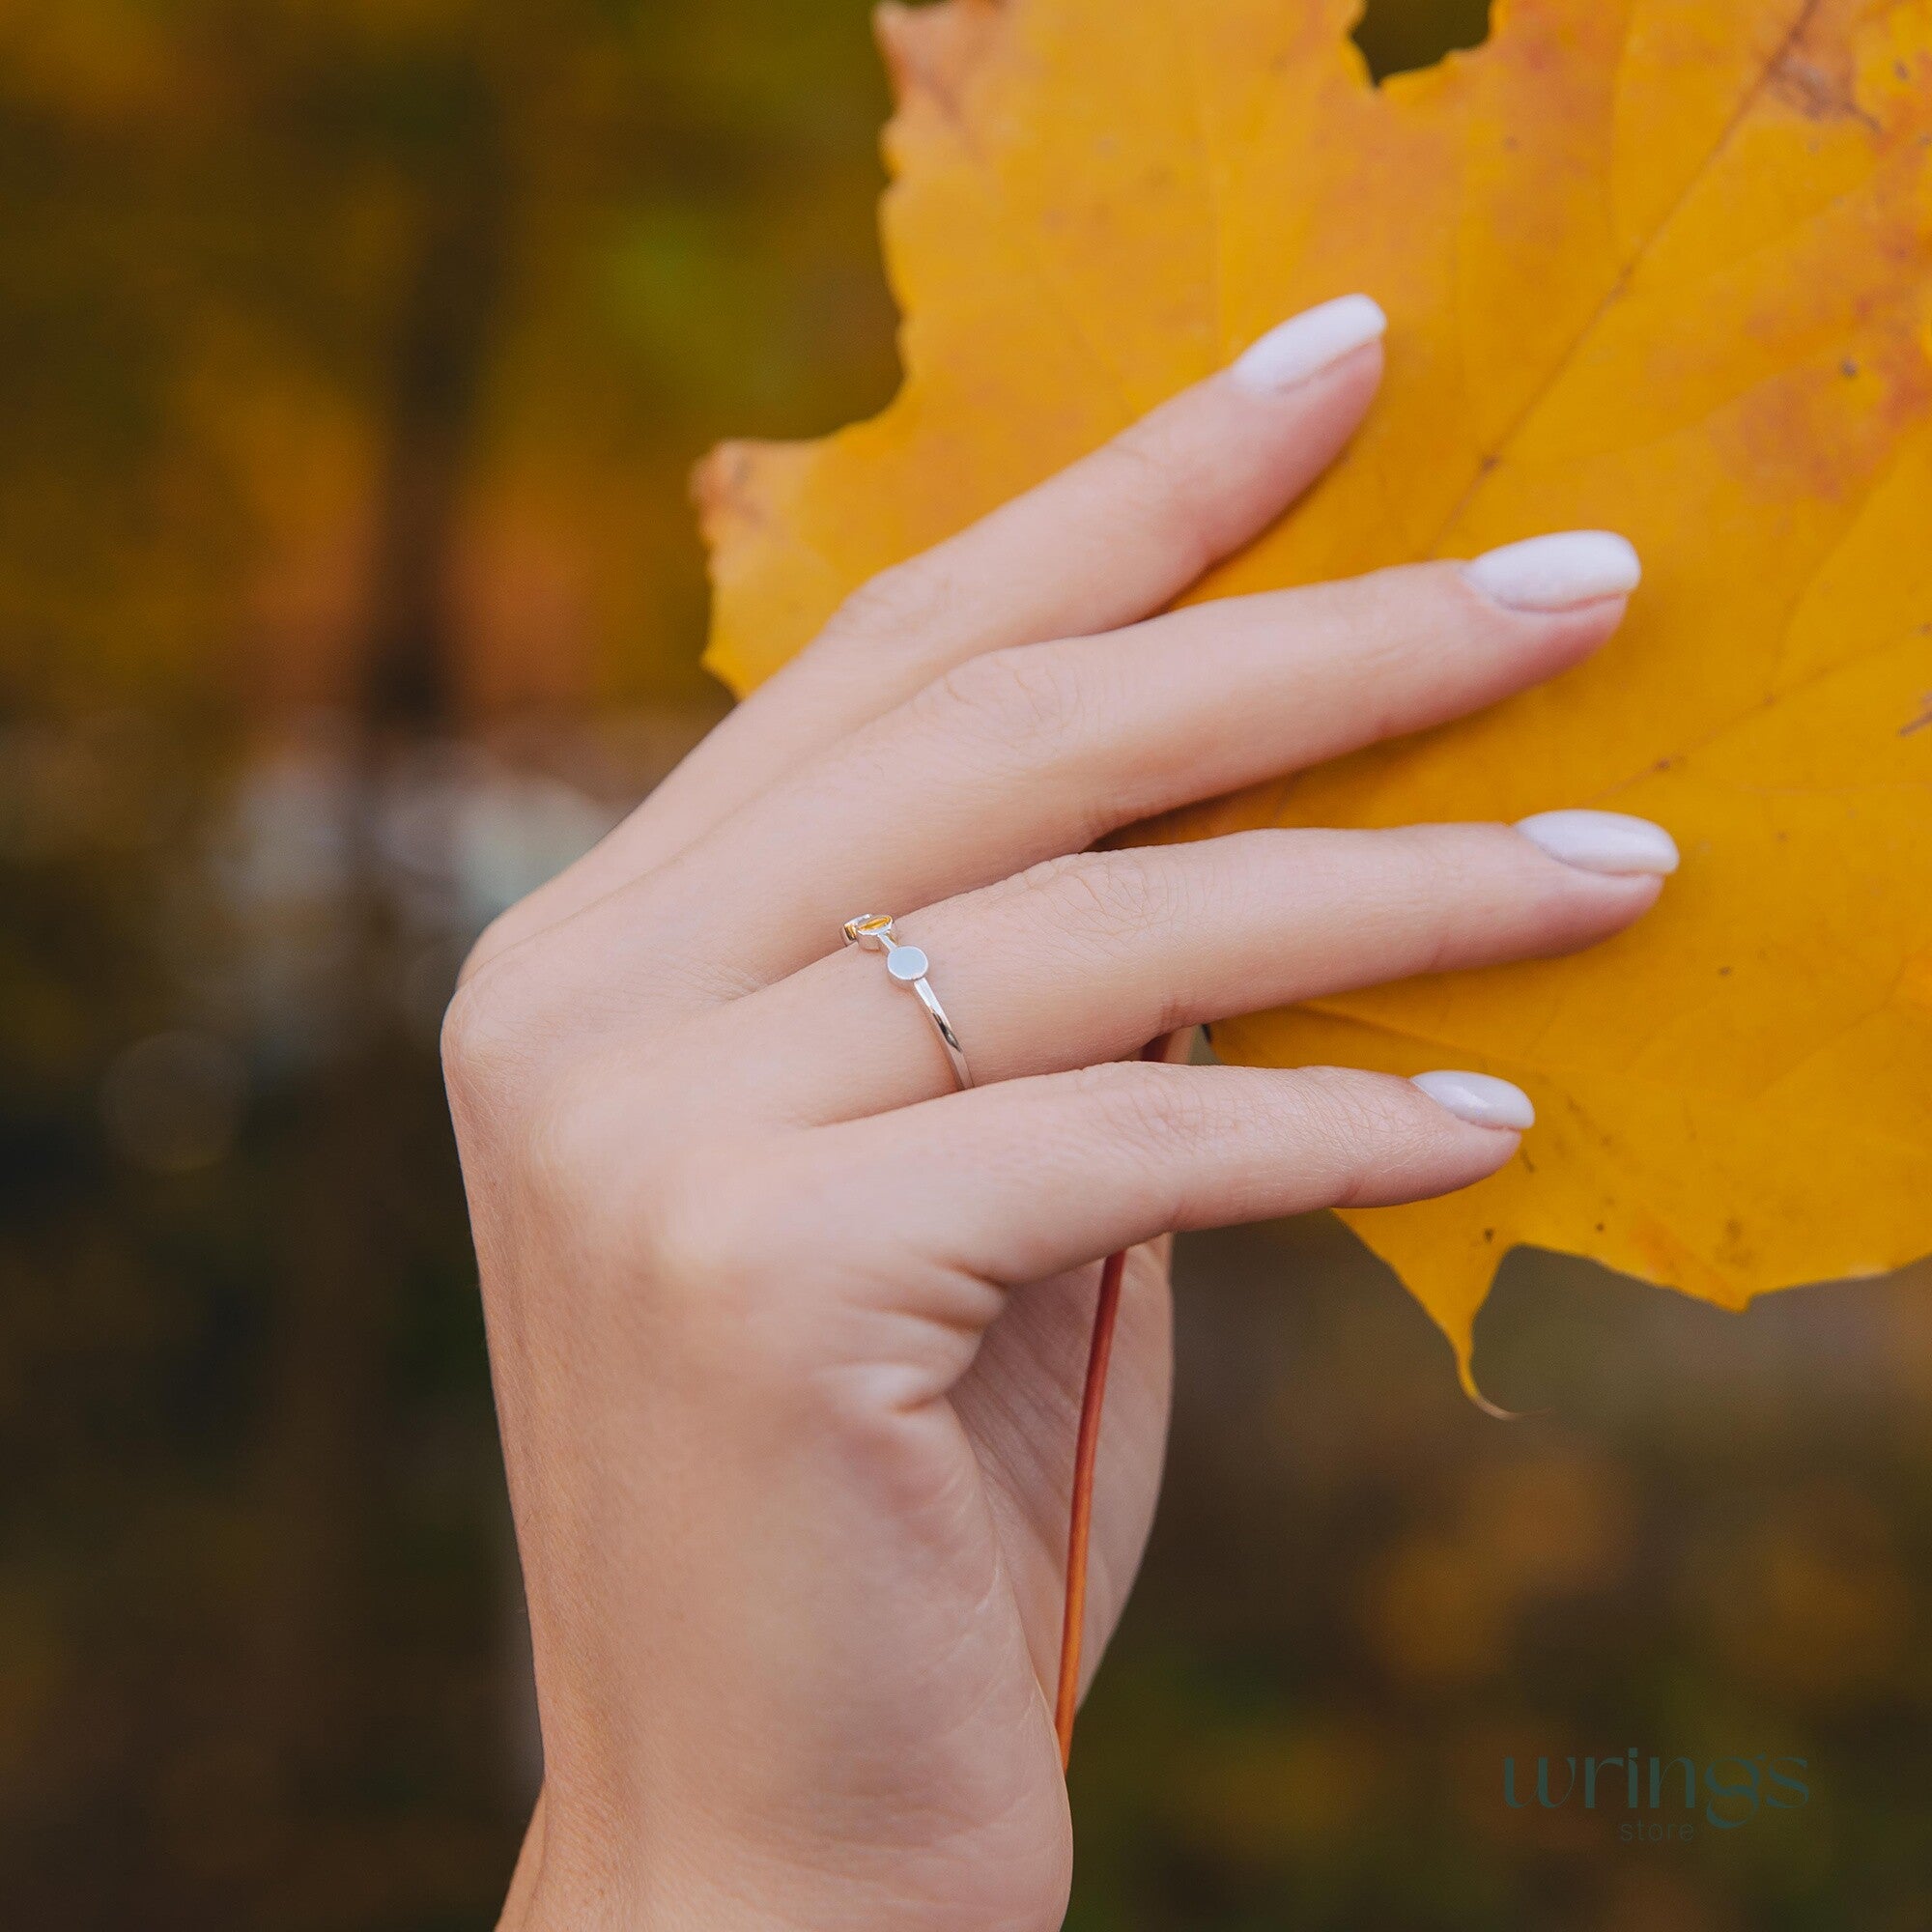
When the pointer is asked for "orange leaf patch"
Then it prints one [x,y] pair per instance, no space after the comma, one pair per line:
[1656,266]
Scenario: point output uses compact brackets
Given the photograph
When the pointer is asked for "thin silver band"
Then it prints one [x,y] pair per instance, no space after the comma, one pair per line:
[907,964]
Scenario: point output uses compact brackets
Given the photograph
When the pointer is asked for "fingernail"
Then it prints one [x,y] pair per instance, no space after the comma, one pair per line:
[1554,573]
[1602,842]
[1306,344]
[1480,1098]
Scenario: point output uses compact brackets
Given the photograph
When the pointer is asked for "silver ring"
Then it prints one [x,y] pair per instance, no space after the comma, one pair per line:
[907,964]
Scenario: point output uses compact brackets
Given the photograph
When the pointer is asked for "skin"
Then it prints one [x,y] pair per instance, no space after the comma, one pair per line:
[787,1334]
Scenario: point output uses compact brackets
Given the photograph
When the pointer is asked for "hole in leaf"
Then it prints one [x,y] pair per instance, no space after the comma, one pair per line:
[1400,36]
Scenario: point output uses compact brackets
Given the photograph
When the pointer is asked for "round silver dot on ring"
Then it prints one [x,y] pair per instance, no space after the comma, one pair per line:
[907,966]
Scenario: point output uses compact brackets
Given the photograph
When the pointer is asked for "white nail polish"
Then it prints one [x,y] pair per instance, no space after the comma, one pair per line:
[1554,573]
[1480,1098]
[1306,344]
[1602,842]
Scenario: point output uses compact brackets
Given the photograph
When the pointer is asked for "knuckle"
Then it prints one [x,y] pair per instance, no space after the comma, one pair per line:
[699,1248]
[1152,1107]
[510,1029]
[1355,1108]
[1449,856]
[1107,896]
[573,1153]
[461,1040]
[1373,1126]
[1157,492]
[1439,893]
[903,600]
[656,1218]
[1455,888]
[486,1040]
[1029,698]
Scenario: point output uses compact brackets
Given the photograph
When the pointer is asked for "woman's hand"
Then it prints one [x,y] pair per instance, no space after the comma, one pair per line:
[787,1333]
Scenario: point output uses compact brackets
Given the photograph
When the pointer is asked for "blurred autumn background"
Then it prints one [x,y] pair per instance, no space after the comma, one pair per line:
[352,358]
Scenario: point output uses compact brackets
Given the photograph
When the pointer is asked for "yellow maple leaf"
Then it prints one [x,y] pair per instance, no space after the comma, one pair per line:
[1655,265]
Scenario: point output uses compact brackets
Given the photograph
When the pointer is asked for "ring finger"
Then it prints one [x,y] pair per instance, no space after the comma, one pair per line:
[1083,959]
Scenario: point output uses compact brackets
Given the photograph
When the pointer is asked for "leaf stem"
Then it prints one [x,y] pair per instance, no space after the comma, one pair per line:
[1085,1446]
[1105,1313]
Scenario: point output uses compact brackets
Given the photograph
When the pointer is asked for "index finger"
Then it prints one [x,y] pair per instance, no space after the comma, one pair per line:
[1114,536]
